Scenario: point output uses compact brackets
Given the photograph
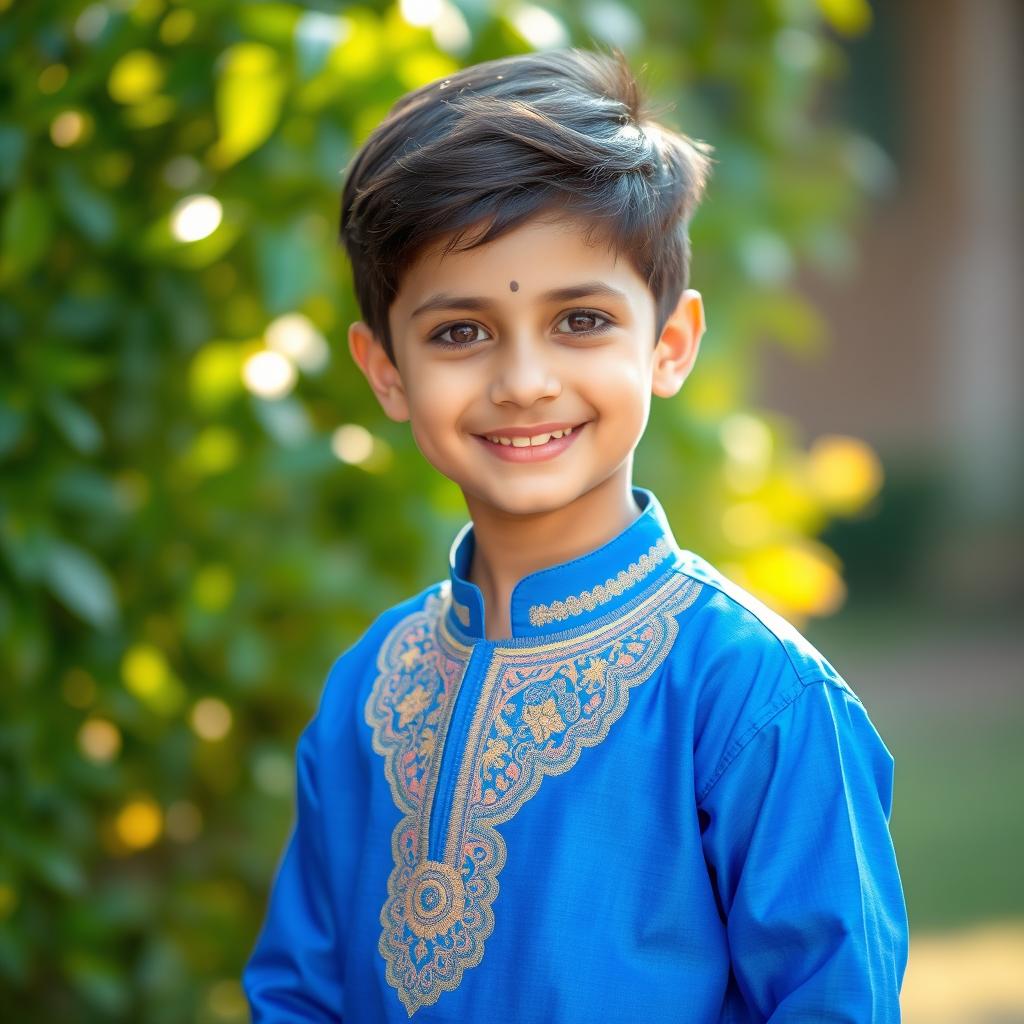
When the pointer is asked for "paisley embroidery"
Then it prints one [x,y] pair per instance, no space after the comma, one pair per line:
[537,708]
[558,611]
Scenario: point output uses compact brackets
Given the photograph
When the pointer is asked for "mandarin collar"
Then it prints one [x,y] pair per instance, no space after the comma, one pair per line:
[572,595]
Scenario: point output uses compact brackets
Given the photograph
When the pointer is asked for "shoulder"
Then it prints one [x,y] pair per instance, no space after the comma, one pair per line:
[746,665]
[728,625]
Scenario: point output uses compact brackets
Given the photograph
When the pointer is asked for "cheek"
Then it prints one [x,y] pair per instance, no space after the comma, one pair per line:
[619,389]
[435,412]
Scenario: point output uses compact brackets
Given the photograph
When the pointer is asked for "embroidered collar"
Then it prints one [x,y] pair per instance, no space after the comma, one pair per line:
[577,593]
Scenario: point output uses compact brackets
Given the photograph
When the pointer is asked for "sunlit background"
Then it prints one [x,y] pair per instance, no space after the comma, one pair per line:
[201,504]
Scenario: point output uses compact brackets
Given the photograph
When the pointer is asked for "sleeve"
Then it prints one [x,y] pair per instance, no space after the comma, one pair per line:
[796,837]
[294,973]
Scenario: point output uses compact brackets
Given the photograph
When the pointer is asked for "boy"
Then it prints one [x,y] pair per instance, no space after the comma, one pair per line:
[585,778]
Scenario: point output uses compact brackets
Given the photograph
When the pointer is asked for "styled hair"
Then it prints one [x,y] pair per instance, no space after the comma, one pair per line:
[477,154]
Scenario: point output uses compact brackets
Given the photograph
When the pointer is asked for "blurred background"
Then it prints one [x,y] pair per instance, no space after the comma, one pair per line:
[201,505]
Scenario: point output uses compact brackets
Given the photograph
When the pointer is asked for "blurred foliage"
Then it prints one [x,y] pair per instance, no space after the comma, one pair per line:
[201,504]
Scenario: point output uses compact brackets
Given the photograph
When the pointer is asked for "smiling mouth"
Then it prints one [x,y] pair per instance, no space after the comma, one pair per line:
[540,446]
[532,441]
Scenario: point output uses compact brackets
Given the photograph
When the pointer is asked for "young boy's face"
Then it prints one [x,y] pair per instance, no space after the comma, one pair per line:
[534,333]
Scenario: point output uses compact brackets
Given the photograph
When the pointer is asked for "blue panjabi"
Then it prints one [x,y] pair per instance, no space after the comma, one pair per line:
[655,801]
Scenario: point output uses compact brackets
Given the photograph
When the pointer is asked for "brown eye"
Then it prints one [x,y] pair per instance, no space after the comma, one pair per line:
[463,333]
[583,321]
[457,335]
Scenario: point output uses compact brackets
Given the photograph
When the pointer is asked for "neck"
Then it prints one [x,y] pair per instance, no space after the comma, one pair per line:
[509,547]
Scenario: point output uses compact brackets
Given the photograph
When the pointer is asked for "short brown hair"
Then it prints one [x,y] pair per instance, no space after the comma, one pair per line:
[504,140]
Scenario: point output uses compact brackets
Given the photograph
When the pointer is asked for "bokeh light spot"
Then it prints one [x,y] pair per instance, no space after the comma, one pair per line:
[195,217]
[67,128]
[269,374]
[294,335]
[844,471]
[148,677]
[746,439]
[352,443]
[89,25]
[451,30]
[139,822]
[99,740]
[211,719]
[135,77]
[177,26]
[215,376]
[796,579]
[421,12]
[539,27]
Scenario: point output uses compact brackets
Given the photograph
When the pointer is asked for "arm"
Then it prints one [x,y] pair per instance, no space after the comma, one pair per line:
[294,972]
[795,833]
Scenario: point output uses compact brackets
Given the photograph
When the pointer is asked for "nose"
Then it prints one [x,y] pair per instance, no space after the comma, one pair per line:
[523,374]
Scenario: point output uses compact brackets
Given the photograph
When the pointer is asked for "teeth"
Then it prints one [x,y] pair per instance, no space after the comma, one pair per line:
[528,442]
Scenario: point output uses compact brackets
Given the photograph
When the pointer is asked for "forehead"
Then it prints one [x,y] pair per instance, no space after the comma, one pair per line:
[542,253]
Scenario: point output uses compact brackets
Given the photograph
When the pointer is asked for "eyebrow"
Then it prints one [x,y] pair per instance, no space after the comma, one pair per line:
[443,300]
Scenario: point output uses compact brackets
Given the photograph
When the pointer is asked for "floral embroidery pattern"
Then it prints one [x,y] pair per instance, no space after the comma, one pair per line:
[537,708]
[558,611]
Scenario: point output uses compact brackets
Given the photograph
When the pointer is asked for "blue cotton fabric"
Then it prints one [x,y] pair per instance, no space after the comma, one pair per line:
[656,801]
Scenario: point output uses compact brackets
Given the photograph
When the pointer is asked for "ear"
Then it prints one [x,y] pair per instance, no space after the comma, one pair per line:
[676,351]
[382,374]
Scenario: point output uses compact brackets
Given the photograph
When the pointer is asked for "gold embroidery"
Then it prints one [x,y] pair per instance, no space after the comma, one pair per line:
[461,612]
[412,703]
[543,719]
[557,611]
[535,711]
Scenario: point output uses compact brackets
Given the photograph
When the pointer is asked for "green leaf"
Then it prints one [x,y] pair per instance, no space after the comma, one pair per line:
[249,95]
[25,233]
[91,211]
[81,584]
[58,869]
[100,981]
[77,425]
[291,263]
[13,146]
[12,427]
[850,17]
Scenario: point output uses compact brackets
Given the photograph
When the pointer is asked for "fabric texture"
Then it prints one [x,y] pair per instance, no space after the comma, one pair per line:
[656,799]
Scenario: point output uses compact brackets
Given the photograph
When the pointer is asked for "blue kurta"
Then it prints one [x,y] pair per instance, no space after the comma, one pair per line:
[656,801]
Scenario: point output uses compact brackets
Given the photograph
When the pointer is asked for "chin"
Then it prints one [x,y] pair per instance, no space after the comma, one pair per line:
[535,498]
